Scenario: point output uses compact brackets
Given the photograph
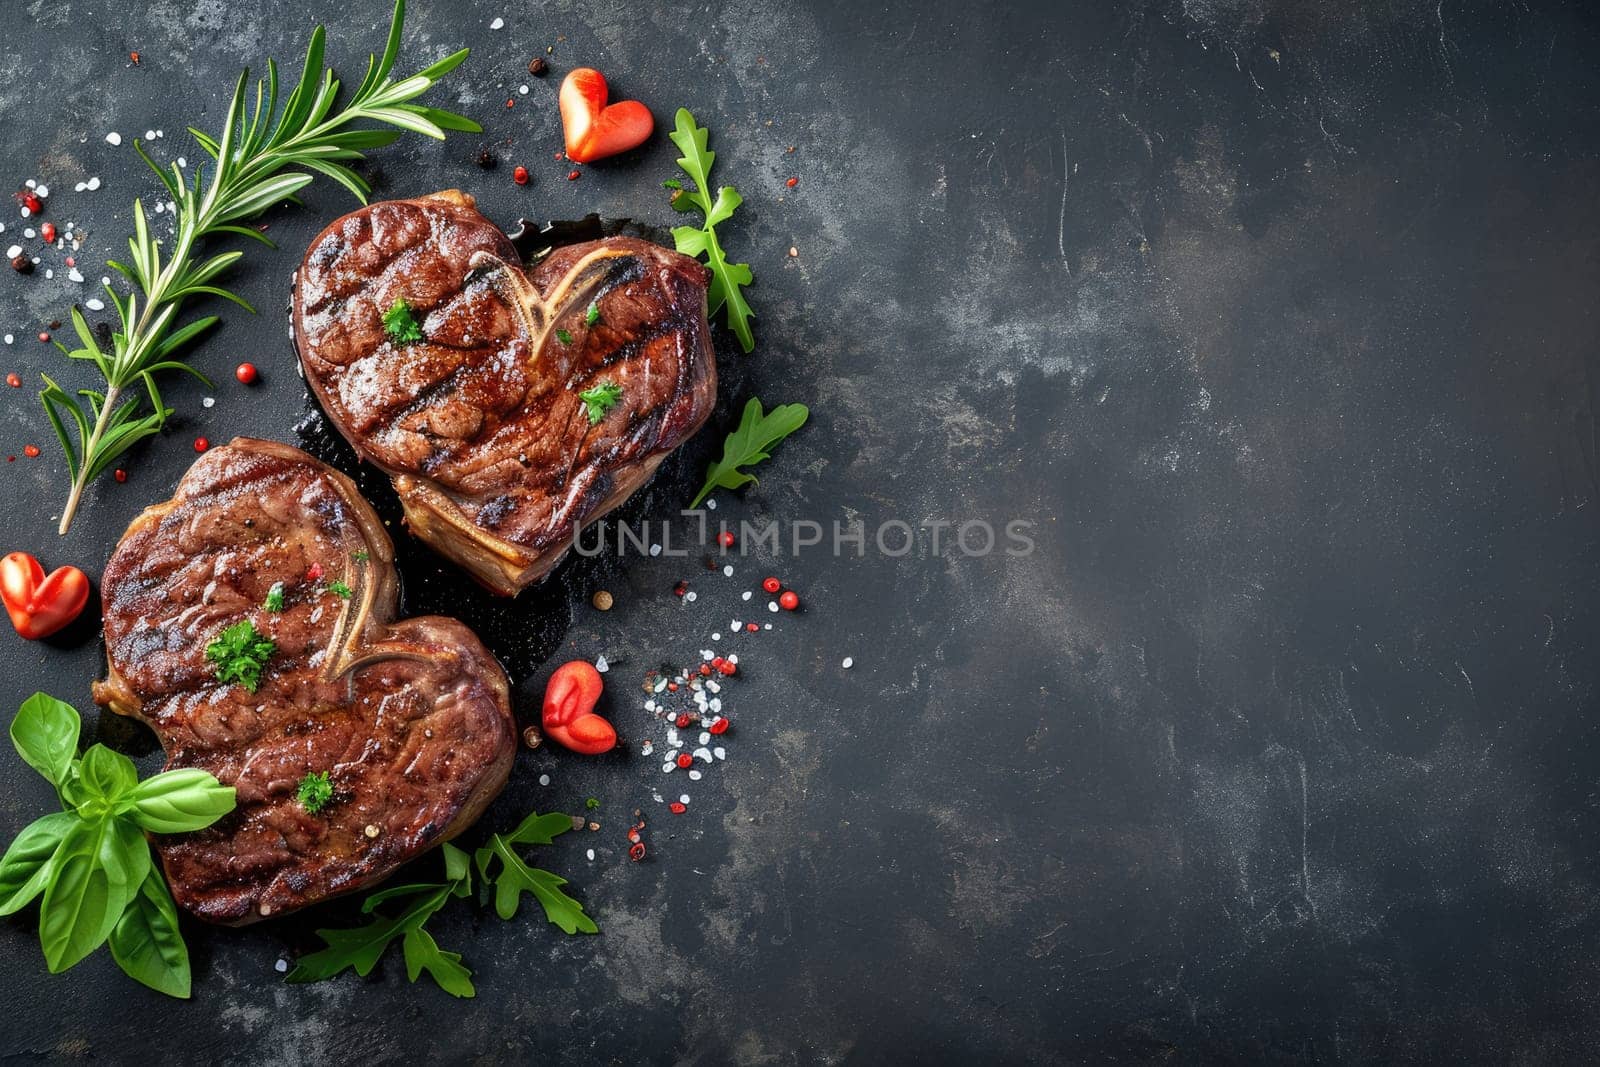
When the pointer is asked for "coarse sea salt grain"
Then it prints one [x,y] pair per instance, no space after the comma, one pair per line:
[772,605]
[544,779]
[30,233]
[75,275]
[695,776]
[716,637]
[711,505]
[848,663]
[591,855]
[522,90]
[655,550]
[705,737]
[149,135]
[113,138]
[14,251]
[92,184]
[601,665]
[684,799]
[747,594]
[691,596]
[10,338]
[727,570]
[281,966]
[720,752]
[208,401]
[498,24]
[94,303]
[669,766]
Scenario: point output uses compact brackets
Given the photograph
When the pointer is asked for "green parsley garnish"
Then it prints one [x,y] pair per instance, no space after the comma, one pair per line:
[592,803]
[314,791]
[274,601]
[240,652]
[362,556]
[400,324]
[566,338]
[340,589]
[672,183]
[592,316]
[599,399]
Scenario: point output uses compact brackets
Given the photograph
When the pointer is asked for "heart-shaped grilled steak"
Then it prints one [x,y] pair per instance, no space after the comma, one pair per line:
[509,408]
[410,721]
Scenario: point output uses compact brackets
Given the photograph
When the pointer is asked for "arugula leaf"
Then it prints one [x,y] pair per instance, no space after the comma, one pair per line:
[274,601]
[177,801]
[314,792]
[728,280]
[361,947]
[147,944]
[516,877]
[45,733]
[599,399]
[422,953]
[748,444]
[400,324]
[240,651]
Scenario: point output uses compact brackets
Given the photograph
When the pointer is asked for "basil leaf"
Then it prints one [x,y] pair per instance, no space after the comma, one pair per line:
[97,870]
[146,942]
[107,774]
[180,800]
[27,864]
[45,733]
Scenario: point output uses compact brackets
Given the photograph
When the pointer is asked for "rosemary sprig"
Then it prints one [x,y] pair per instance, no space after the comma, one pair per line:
[263,158]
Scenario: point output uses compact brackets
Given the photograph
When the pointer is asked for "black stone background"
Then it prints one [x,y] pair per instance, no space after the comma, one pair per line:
[1276,318]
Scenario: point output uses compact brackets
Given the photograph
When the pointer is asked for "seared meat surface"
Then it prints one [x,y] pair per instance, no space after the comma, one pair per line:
[411,719]
[480,424]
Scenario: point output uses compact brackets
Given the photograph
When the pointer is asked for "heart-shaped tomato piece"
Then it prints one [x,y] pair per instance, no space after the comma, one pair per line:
[40,604]
[569,717]
[595,129]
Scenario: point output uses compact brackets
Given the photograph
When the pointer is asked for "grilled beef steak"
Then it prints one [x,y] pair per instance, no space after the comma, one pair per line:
[480,424]
[411,720]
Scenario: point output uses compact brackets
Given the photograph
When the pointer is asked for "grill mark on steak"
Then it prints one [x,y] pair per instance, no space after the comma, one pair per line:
[412,718]
[489,451]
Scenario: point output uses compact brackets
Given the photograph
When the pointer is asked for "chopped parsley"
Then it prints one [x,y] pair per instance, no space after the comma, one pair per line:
[314,791]
[274,601]
[566,338]
[339,588]
[240,651]
[400,324]
[599,399]
[362,556]
[592,803]
[592,316]
[672,183]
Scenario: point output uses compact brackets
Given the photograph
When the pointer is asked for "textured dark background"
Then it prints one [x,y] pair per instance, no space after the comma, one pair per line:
[1276,318]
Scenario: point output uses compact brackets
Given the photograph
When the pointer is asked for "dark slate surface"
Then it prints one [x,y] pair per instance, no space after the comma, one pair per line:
[1276,318]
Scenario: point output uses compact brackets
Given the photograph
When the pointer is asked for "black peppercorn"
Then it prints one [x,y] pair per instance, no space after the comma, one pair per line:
[486,159]
[538,67]
[22,264]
